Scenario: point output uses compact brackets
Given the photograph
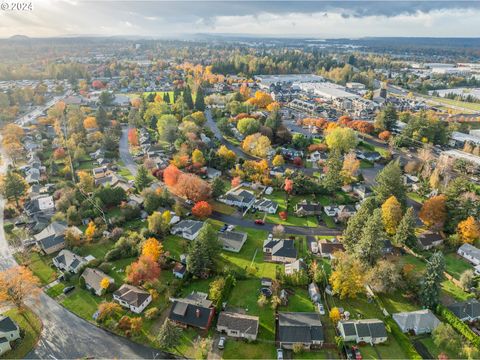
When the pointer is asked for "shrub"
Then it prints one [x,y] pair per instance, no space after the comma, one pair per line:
[151,313]
[106,267]
[8,228]
[459,326]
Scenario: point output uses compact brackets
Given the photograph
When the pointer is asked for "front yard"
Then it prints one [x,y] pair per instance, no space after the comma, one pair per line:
[41,266]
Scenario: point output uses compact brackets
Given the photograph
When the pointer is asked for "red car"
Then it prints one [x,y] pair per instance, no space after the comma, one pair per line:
[259,222]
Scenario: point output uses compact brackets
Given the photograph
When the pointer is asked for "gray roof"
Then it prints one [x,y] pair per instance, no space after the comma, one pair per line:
[421,319]
[427,238]
[69,259]
[188,226]
[466,309]
[7,324]
[296,327]
[265,203]
[232,239]
[364,328]
[246,324]
[52,235]
[133,295]
[93,277]
[240,195]
[471,250]
[194,310]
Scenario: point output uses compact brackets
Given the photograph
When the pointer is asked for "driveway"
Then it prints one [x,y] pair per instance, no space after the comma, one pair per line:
[124,152]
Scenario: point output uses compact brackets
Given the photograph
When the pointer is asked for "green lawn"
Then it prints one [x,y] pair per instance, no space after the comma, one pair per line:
[415,197]
[463,104]
[365,164]
[118,269]
[170,94]
[398,302]
[388,350]
[82,303]
[176,245]
[223,208]
[31,327]
[244,350]
[98,249]
[55,290]
[279,197]
[40,266]
[87,165]
[434,350]
[124,172]
[455,265]
[299,302]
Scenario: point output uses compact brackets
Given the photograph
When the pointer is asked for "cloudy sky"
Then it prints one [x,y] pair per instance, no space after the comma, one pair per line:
[320,19]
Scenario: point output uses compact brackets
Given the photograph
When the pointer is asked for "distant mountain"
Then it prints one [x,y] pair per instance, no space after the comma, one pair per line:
[19,38]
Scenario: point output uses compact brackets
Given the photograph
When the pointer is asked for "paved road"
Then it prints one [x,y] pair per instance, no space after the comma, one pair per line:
[125,155]
[65,335]
[38,110]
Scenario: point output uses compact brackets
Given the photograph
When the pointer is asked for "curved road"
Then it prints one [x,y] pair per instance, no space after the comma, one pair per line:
[64,335]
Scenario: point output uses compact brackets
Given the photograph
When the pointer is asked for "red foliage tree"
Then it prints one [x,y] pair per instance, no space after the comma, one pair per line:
[288,186]
[97,84]
[297,161]
[344,120]
[158,173]
[192,187]
[59,153]
[361,126]
[317,147]
[202,209]
[283,215]
[236,181]
[143,270]
[171,175]
[133,137]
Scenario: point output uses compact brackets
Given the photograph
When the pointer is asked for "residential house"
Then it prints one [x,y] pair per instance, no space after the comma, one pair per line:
[40,205]
[428,240]
[213,173]
[9,331]
[294,267]
[52,238]
[277,170]
[195,310]
[93,278]
[266,282]
[469,253]
[238,325]
[345,212]
[317,156]
[362,191]
[466,310]
[299,328]
[133,298]
[327,248]
[100,172]
[232,240]
[68,261]
[419,322]
[280,250]
[304,208]
[371,156]
[370,331]
[188,229]
[411,182]
[314,293]
[179,270]
[238,197]
[266,205]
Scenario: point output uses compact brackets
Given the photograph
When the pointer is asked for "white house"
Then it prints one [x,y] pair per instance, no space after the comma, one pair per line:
[420,322]
[188,229]
[238,197]
[238,325]
[266,205]
[132,298]
[9,331]
[370,331]
[470,253]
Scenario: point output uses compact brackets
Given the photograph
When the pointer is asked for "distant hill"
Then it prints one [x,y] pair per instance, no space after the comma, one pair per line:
[19,38]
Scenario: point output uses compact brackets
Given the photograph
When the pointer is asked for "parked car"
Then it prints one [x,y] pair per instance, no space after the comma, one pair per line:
[68,289]
[270,236]
[280,354]
[259,222]
[356,352]
[224,228]
[221,343]
[230,227]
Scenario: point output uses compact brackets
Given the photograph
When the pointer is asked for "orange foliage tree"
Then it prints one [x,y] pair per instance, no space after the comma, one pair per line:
[261,99]
[152,248]
[236,181]
[171,175]
[59,153]
[469,230]
[202,209]
[17,285]
[192,187]
[434,212]
[384,135]
[133,137]
[143,270]
[90,123]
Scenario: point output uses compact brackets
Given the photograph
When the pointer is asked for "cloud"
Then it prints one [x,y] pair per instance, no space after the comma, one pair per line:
[312,18]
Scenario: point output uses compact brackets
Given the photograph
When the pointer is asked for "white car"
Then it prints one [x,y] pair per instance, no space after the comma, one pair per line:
[320,308]
[230,227]
[221,343]
[280,354]
[270,236]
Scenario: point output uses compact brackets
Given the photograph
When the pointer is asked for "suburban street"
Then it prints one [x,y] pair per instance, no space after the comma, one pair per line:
[65,335]
[125,155]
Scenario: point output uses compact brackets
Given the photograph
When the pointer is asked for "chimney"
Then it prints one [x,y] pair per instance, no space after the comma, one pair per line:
[197,313]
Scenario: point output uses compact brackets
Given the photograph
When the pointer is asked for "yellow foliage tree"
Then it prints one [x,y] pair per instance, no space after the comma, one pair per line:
[261,99]
[391,214]
[197,157]
[278,160]
[85,181]
[257,144]
[152,248]
[335,315]
[90,231]
[469,230]
[347,279]
[274,106]
[104,283]
[350,165]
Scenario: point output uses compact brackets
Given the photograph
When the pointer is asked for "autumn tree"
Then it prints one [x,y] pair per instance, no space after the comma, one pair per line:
[278,160]
[350,165]
[288,186]
[12,186]
[236,181]
[216,289]
[434,213]
[257,144]
[469,230]
[202,209]
[341,139]
[104,284]
[192,187]
[145,269]
[261,99]
[198,158]
[384,135]
[171,175]
[347,277]
[133,137]
[157,223]
[248,126]
[335,315]
[85,182]
[18,285]
[226,156]
[90,123]
[136,324]
[391,214]
[152,248]
[107,309]
[90,231]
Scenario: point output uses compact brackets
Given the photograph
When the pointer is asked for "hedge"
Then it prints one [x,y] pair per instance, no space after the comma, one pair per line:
[459,325]
[402,339]
[230,282]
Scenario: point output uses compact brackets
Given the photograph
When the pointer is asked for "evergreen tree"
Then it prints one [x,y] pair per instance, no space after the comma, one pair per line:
[187,97]
[142,180]
[166,98]
[390,182]
[369,247]
[197,260]
[405,234]
[333,178]
[209,238]
[430,286]
[387,118]
[200,100]
[218,187]
[13,186]
[101,116]
[176,94]
[151,97]
[356,223]
[169,335]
